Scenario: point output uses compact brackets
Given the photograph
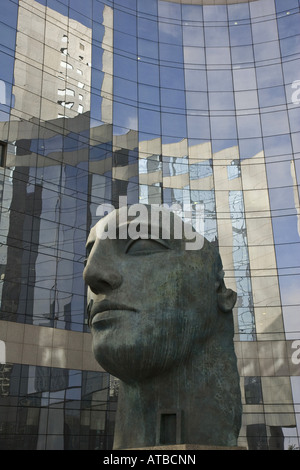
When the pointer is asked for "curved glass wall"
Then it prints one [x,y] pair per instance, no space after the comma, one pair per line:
[161,102]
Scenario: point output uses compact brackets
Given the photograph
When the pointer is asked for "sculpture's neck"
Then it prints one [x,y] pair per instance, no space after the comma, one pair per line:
[188,405]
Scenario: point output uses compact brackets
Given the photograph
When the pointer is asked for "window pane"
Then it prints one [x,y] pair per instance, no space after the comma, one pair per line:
[195,80]
[194,55]
[264,31]
[147,29]
[198,127]
[246,99]
[192,12]
[240,35]
[244,79]
[148,73]
[219,80]
[196,100]
[193,35]
[275,123]
[216,36]
[171,77]
[248,126]
[221,101]
[268,76]
[218,55]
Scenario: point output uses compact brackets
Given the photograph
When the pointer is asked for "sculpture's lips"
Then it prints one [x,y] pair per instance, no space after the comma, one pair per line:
[99,310]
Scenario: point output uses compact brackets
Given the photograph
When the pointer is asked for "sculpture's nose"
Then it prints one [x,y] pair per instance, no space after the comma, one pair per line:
[101,275]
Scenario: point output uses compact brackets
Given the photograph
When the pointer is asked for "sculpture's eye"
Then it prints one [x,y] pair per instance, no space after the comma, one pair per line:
[146,247]
[88,251]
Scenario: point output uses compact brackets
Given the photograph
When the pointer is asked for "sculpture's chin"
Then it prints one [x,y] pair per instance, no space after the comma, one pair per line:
[136,347]
[123,361]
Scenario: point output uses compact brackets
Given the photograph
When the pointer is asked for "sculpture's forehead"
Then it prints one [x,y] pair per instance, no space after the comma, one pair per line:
[160,223]
[119,221]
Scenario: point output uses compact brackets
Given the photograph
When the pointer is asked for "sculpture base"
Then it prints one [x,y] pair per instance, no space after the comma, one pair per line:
[187,447]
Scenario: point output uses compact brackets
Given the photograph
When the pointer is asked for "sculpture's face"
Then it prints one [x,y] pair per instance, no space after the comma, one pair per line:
[151,302]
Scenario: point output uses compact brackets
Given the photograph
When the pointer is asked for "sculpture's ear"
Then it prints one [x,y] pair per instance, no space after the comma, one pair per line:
[227,300]
[226,297]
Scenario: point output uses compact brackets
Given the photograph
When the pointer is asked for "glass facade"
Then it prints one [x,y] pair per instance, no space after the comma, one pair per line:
[161,102]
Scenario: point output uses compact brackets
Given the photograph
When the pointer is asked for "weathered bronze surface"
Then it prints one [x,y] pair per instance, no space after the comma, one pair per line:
[161,321]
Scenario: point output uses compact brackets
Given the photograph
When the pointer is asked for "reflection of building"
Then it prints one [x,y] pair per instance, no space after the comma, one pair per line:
[161,102]
[53,65]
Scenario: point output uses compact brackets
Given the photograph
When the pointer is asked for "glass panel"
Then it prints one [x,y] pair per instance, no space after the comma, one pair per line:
[275,123]
[271,96]
[249,126]
[147,49]
[124,42]
[288,25]
[194,55]
[290,46]
[219,80]
[193,35]
[7,37]
[195,80]
[244,79]
[125,22]
[240,34]
[148,73]
[173,98]
[192,12]
[238,12]
[170,53]
[264,31]
[147,29]
[266,51]
[130,4]
[196,100]
[149,94]
[246,99]
[250,147]
[149,121]
[147,7]
[169,10]
[210,13]
[278,145]
[218,56]
[270,75]
[9,14]
[198,127]
[286,5]
[294,119]
[216,36]
[173,125]
[170,33]
[262,8]
[221,101]
[172,78]
[290,70]
[242,54]
[223,127]
[125,67]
